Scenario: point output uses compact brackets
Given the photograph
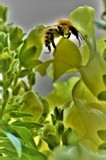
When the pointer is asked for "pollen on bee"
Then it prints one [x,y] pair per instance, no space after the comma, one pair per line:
[63,22]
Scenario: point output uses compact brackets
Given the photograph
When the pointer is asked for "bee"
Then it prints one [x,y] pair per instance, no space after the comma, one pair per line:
[63,28]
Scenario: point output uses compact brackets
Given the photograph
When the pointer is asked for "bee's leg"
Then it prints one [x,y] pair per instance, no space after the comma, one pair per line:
[47,44]
[49,48]
[53,44]
[52,41]
[75,32]
[79,40]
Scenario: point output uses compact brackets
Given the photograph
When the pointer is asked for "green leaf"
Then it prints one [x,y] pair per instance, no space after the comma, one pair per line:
[12,107]
[101,45]
[28,58]
[7,149]
[93,78]
[42,68]
[17,114]
[5,158]
[85,54]
[3,13]
[11,154]
[15,142]
[3,41]
[16,89]
[56,97]
[26,136]
[6,143]
[5,60]
[5,98]
[31,79]
[87,117]
[33,105]
[104,54]
[24,73]
[32,48]
[32,154]
[24,85]
[9,81]
[83,19]
[66,56]
[35,39]
[27,124]
[16,35]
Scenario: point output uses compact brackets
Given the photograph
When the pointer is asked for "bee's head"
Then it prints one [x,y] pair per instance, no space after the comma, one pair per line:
[64,27]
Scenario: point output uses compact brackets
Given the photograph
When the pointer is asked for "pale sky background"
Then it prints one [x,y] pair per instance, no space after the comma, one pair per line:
[29,13]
